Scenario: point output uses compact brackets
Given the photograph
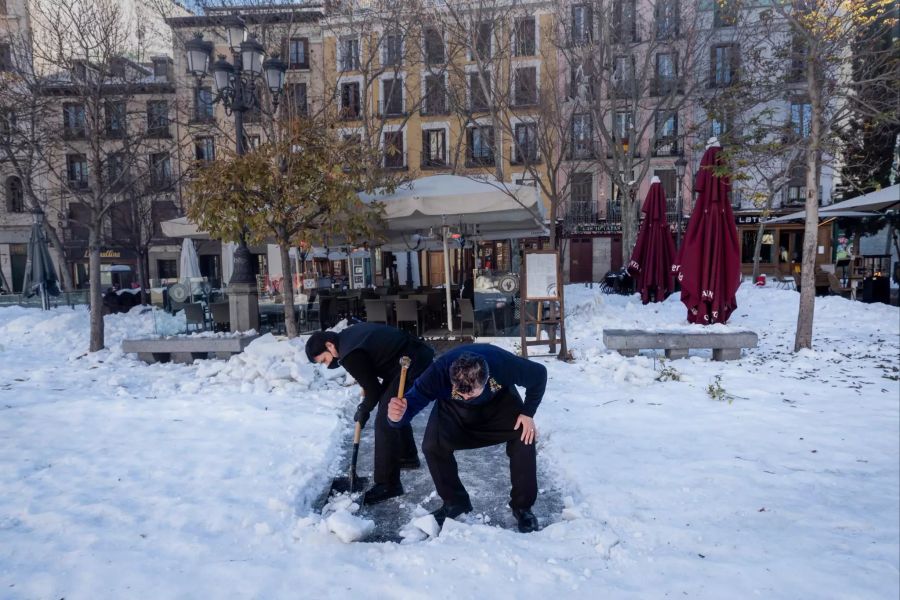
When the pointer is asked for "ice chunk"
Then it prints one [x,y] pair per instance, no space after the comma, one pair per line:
[348,527]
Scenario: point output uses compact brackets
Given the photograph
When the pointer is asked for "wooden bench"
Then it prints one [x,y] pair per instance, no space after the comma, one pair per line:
[725,346]
[186,349]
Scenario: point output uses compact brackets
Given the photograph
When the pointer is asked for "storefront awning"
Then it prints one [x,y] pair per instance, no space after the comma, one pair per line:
[801,216]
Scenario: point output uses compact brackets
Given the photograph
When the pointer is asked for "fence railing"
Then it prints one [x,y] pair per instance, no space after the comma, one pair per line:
[70,299]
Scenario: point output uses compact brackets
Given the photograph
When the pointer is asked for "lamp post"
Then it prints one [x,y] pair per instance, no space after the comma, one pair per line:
[236,84]
[680,166]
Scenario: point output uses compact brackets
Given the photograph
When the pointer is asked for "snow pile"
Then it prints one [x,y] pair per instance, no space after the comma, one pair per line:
[421,527]
[340,519]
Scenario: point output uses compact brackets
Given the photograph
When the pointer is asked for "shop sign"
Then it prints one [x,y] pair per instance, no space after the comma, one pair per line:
[747,219]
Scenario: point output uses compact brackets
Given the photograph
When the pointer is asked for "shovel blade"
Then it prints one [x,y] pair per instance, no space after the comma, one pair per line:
[342,485]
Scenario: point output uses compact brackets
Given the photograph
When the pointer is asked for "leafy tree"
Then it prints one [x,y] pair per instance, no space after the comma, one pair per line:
[293,191]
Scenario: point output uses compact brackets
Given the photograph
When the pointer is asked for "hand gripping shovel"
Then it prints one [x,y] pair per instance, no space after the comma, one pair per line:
[353,482]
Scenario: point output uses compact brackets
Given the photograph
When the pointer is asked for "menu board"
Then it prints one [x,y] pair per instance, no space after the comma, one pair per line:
[540,276]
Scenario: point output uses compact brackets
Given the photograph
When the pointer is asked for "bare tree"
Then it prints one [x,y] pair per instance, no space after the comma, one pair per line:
[811,57]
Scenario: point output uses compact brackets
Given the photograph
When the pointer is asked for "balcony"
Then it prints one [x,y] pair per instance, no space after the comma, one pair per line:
[434,108]
[666,147]
[473,162]
[663,86]
[350,113]
[74,133]
[582,150]
[433,163]
[79,185]
[159,132]
[395,161]
[524,156]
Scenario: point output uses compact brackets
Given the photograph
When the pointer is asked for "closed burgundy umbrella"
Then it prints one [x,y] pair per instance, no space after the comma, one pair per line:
[709,260]
[654,251]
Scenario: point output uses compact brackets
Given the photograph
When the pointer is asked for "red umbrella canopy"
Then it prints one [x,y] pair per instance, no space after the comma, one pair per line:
[709,261]
[654,251]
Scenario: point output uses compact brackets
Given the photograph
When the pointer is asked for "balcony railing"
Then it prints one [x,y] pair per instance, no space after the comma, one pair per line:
[582,151]
[520,155]
[391,108]
[666,147]
[395,161]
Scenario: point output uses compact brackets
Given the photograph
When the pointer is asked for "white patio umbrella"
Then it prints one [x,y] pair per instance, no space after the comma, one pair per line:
[189,265]
[442,202]
[228,249]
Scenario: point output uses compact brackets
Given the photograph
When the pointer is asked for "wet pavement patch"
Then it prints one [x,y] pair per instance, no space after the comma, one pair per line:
[484,472]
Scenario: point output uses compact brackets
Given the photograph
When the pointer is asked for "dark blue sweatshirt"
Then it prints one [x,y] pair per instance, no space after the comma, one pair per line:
[505,370]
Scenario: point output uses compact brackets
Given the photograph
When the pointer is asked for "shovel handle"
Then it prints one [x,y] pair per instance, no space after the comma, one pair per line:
[404,366]
[357,433]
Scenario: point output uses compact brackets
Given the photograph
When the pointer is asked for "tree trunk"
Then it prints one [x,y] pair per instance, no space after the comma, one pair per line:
[757,249]
[97,341]
[630,223]
[803,337]
[287,289]
[64,273]
[142,275]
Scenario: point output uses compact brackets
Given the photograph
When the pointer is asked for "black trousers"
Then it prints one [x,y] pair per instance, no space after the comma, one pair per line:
[392,444]
[455,425]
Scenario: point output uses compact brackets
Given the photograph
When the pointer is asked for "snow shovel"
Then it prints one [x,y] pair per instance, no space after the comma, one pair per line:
[353,482]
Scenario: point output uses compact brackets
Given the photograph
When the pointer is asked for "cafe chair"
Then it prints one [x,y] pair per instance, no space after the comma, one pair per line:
[408,312]
[221,316]
[467,315]
[376,311]
[193,313]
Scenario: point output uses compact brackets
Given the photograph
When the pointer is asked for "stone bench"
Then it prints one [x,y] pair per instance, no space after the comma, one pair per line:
[186,349]
[725,346]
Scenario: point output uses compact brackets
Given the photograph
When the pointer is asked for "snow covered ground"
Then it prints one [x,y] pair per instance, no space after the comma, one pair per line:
[125,480]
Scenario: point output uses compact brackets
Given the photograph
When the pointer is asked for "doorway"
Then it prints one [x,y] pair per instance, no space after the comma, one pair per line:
[581,261]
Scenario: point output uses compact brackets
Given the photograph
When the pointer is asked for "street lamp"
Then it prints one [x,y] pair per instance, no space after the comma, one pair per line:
[680,166]
[236,85]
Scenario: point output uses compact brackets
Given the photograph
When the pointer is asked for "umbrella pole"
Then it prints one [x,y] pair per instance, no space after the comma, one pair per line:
[445,231]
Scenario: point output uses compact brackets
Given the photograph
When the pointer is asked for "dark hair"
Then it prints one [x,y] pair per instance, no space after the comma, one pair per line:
[315,345]
[468,372]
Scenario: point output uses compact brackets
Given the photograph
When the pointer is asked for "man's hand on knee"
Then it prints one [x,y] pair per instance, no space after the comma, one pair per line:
[396,409]
[529,431]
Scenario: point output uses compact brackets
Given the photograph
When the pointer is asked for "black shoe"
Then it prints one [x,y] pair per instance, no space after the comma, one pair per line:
[409,464]
[381,492]
[527,521]
[451,511]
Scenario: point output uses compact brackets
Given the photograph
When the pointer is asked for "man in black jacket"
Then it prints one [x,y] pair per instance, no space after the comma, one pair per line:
[369,352]
[477,405]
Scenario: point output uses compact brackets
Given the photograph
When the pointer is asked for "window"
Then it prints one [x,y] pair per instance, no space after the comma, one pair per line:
[73,121]
[483,35]
[666,18]
[158,118]
[392,97]
[624,22]
[580,81]
[162,210]
[298,53]
[297,103]
[114,112]
[203,104]
[724,13]
[392,50]
[582,196]
[668,180]
[160,170]
[666,73]
[623,76]
[251,142]
[481,145]
[479,95]
[434,147]
[349,54]
[582,136]
[748,246]
[160,68]
[205,149]
[623,124]
[666,142]
[350,100]
[5,58]
[435,95]
[77,171]
[799,55]
[525,91]
[166,268]
[7,122]
[525,37]
[15,195]
[801,117]
[723,65]
[120,221]
[393,150]
[115,171]
[796,191]
[525,150]
[582,24]
[721,125]
[434,46]
[3,9]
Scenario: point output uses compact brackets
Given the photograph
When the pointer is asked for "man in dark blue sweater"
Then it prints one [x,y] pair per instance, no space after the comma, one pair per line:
[477,406]
[371,354]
